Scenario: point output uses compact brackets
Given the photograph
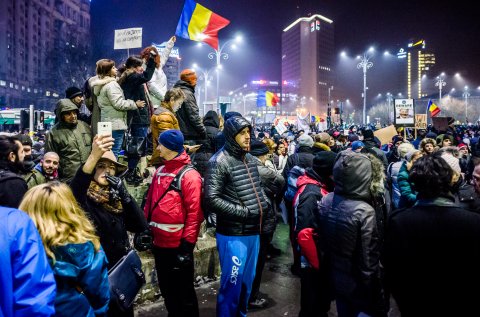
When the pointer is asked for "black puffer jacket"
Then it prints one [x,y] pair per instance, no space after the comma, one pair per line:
[349,232]
[233,190]
[203,155]
[188,115]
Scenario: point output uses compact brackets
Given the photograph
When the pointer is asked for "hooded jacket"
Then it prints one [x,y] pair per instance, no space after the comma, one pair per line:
[205,152]
[188,115]
[112,103]
[73,143]
[350,235]
[79,266]
[177,209]
[233,188]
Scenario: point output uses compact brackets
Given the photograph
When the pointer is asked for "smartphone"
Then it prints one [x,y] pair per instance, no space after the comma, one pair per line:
[104,128]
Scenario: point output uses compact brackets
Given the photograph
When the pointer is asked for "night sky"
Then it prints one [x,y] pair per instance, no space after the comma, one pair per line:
[451,31]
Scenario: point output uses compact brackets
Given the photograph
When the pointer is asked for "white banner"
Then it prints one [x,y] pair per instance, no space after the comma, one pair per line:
[404,112]
[128,38]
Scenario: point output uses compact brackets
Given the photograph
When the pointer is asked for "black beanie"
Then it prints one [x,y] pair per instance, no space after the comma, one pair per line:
[231,114]
[367,134]
[72,92]
[258,148]
[323,163]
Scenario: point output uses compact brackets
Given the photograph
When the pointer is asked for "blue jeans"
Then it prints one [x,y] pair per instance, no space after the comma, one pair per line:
[137,130]
[117,145]
[238,260]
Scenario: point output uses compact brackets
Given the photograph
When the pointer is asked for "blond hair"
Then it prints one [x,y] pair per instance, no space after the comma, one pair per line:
[58,217]
[270,144]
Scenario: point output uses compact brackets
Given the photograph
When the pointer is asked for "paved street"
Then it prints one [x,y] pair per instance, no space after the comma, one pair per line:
[282,289]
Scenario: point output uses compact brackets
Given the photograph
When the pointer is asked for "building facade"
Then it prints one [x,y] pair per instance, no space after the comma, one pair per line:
[418,63]
[44,48]
[307,64]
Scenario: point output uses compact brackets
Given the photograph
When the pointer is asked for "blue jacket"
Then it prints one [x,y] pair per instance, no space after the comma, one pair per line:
[27,285]
[82,281]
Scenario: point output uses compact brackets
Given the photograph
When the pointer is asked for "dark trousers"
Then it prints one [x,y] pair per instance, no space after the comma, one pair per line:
[176,283]
[265,239]
[292,236]
[115,311]
[138,131]
[315,296]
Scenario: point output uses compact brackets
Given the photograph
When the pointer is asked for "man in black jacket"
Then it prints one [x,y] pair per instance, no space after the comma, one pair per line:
[233,192]
[12,185]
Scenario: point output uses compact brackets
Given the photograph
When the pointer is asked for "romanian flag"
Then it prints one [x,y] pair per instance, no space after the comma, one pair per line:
[200,24]
[434,110]
[267,99]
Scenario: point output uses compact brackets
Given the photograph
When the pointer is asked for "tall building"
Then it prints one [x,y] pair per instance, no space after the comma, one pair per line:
[418,63]
[307,64]
[44,48]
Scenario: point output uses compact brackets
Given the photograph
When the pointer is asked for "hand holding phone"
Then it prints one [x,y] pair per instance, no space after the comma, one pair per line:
[104,128]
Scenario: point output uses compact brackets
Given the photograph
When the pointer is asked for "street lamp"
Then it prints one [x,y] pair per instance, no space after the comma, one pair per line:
[365,64]
[466,94]
[389,100]
[218,54]
[440,83]
[206,76]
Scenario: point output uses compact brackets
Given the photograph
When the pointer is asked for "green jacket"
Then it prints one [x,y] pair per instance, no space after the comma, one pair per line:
[73,143]
[34,178]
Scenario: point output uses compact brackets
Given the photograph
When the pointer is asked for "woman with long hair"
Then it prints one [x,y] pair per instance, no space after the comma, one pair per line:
[73,249]
[111,101]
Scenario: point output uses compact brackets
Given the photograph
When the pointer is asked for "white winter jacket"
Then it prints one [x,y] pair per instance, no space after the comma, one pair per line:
[157,86]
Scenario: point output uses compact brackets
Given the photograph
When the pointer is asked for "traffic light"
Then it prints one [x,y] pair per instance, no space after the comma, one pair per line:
[24,119]
[336,110]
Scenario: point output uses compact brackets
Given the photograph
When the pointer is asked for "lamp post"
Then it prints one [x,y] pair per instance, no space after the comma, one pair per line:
[440,83]
[218,54]
[365,64]
[206,80]
[466,94]
[389,100]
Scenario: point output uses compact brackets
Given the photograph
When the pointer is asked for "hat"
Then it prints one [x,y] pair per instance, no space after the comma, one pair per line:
[231,114]
[172,140]
[410,154]
[397,138]
[367,134]
[431,135]
[461,145]
[109,156]
[305,140]
[336,134]
[352,137]
[323,137]
[73,92]
[188,75]
[258,148]
[323,163]
[452,161]
[356,145]
[261,135]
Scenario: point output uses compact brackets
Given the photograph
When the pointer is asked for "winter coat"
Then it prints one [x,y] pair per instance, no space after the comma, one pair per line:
[79,267]
[9,178]
[110,227]
[392,173]
[182,210]
[132,84]
[157,86]
[408,194]
[205,152]
[38,177]
[163,119]
[233,189]
[303,158]
[92,104]
[348,230]
[371,147]
[112,103]
[431,258]
[27,283]
[280,161]
[188,115]
[272,182]
[72,143]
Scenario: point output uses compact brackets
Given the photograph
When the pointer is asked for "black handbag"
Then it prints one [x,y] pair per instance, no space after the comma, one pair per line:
[126,279]
[133,145]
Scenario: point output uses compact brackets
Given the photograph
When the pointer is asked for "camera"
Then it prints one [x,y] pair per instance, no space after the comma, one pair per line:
[143,241]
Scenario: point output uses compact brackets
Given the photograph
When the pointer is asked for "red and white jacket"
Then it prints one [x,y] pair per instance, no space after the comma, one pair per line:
[177,216]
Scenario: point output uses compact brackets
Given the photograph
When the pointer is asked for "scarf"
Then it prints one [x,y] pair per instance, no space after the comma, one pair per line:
[101,196]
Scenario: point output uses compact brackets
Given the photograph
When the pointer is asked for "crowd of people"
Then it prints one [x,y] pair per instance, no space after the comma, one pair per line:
[368,221]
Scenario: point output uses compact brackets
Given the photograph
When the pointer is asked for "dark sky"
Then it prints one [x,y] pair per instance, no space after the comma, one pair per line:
[451,31]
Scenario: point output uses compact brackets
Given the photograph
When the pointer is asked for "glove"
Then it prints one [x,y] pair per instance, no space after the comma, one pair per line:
[118,189]
[143,241]
[185,254]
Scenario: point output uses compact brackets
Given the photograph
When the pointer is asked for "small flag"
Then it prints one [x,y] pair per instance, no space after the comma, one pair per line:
[200,24]
[434,110]
[267,99]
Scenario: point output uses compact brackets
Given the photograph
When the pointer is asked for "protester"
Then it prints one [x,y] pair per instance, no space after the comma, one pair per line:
[70,138]
[211,121]
[28,163]
[78,261]
[28,286]
[45,171]
[428,146]
[233,192]
[107,203]
[175,216]
[11,164]
[408,194]
[432,250]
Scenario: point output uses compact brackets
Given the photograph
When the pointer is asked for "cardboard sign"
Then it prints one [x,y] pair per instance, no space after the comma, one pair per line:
[404,112]
[385,135]
[128,38]
[420,121]
[440,123]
